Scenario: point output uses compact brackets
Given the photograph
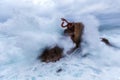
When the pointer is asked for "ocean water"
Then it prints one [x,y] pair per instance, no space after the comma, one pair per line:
[28,26]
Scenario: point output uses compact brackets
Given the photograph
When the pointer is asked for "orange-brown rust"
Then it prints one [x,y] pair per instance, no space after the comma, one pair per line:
[74,30]
[78,30]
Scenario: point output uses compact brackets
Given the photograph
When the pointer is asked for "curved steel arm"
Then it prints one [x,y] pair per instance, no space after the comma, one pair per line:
[64,20]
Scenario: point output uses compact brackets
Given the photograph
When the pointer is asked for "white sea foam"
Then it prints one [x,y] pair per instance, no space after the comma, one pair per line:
[28,26]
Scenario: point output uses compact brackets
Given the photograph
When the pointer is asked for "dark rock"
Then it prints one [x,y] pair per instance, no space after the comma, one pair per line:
[106,41]
[51,54]
[85,55]
[59,70]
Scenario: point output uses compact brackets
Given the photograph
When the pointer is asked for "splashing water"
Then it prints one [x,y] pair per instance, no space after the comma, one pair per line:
[28,26]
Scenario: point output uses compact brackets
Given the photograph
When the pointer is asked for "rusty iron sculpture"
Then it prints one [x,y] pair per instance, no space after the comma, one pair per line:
[74,30]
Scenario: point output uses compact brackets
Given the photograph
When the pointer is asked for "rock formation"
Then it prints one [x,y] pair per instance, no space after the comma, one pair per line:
[51,54]
[106,41]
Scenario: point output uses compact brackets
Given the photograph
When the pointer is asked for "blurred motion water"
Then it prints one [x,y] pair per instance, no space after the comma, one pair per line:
[27,26]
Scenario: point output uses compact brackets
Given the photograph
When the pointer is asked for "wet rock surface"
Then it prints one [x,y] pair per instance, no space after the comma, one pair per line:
[106,41]
[51,54]
[59,70]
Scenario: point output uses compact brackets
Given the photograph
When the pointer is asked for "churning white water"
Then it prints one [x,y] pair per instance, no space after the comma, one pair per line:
[28,26]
